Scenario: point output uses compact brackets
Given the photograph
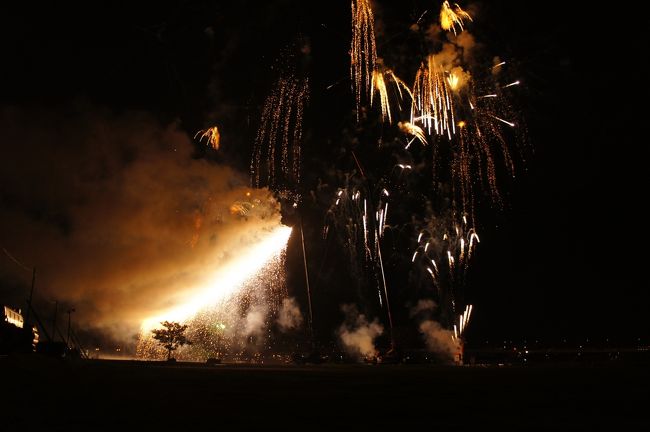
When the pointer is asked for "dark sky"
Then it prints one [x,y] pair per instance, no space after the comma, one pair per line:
[559,260]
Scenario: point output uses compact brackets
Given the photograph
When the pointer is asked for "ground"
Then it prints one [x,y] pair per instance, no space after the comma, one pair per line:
[53,394]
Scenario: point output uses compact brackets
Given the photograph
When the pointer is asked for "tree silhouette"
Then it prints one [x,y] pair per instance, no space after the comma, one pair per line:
[171,337]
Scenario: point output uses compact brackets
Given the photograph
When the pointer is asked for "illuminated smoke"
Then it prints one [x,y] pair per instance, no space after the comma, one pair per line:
[357,334]
[423,306]
[255,321]
[117,237]
[439,340]
[290,317]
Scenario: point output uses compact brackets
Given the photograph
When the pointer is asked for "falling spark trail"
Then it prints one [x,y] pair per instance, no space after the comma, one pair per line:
[363,51]
[379,84]
[422,16]
[276,154]
[503,121]
[432,103]
[383,278]
[358,164]
[413,130]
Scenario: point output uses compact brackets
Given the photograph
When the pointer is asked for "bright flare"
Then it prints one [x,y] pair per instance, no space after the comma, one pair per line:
[226,280]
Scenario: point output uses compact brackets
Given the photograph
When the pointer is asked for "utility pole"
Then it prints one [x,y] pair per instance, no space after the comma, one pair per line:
[304,257]
[69,314]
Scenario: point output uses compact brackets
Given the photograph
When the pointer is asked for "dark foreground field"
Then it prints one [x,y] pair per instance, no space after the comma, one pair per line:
[52,395]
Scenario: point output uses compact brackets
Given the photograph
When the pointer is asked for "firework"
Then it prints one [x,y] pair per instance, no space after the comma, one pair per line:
[415,132]
[432,101]
[351,216]
[211,135]
[452,244]
[363,52]
[452,17]
[276,155]
[380,88]
[379,84]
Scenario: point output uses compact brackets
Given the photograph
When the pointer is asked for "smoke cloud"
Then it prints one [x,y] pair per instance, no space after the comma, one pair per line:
[290,317]
[357,334]
[439,340]
[119,219]
[424,306]
[255,320]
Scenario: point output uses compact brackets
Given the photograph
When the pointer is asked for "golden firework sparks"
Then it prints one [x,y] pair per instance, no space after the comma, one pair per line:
[279,136]
[453,81]
[432,102]
[379,84]
[211,136]
[363,51]
[415,131]
[452,17]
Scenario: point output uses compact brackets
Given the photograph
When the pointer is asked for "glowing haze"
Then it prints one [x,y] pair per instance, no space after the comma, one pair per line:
[121,221]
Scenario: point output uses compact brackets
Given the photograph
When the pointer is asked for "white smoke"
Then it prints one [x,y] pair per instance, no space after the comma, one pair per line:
[357,334]
[255,320]
[437,339]
[289,317]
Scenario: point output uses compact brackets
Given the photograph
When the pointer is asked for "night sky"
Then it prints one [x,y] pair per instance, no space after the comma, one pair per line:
[559,260]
